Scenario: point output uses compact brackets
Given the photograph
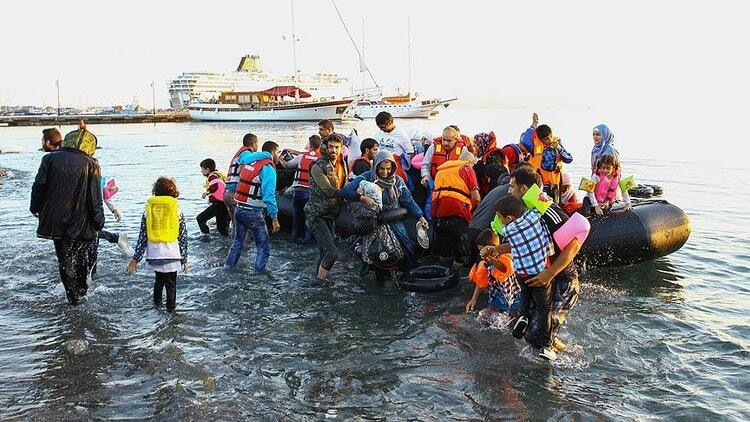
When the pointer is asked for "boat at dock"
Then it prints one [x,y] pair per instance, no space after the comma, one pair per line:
[278,104]
[204,86]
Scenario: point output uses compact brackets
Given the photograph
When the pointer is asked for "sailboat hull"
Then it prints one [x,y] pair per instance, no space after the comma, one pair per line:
[313,112]
[410,110]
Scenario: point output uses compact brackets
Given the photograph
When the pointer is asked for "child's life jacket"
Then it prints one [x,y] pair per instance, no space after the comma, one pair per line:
[162,219]
[221,185]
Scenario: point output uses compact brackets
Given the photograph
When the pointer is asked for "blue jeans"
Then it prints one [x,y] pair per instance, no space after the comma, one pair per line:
[250,219]
[300,196]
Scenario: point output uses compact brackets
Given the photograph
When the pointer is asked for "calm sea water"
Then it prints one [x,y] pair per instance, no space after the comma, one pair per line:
[664,339]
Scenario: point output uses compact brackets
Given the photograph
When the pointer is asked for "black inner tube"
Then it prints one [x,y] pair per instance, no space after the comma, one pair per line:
[429,278]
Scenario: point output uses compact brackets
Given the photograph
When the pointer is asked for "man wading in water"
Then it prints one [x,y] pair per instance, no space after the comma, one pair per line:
[67,199]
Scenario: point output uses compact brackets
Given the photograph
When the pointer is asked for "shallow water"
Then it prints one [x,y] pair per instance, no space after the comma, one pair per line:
[664,339]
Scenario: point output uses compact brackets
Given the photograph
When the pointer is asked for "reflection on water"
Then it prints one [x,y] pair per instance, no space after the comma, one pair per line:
[667,338]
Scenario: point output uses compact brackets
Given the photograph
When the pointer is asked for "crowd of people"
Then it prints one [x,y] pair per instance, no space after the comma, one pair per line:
[468,191]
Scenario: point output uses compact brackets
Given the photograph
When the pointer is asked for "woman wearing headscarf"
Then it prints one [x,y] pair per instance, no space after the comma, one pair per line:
[395,194]
[67,199]
[604,141]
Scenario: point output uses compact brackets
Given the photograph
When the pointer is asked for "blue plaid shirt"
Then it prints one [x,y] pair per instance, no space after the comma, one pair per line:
[529,243]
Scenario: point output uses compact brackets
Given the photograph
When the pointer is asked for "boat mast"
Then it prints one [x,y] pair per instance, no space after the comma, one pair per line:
[294,55]
[408,20]
[363,57]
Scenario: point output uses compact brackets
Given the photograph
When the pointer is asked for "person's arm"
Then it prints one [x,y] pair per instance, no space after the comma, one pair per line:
[470,177]
[268,190]
[564,258]
[476,198]
[494,250]
[212,187]
[244,157]
[565,156]
[592,196]
[94,196]
[473,301]
[112,208]
[527,139]
[626,200]
[501,263]
[182,238]
[320,179]
[110,205]
[140,245]
[293,163]
[406,145]
[349,192]
[39,188]
[427,162]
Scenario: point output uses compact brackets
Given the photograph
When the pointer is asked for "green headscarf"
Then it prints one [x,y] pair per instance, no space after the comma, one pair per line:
[82,140]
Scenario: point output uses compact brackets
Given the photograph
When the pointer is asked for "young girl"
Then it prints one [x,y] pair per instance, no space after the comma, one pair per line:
[163,238]
[606,179]
[495,274]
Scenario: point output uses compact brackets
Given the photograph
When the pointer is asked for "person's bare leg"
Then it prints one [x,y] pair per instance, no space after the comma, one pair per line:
[322,274]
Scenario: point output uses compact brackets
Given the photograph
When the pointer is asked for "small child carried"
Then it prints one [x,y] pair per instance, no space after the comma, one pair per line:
[372,191]
[164,240]
[495,274]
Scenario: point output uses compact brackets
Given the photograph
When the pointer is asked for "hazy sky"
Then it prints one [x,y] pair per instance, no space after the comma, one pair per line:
[622,55]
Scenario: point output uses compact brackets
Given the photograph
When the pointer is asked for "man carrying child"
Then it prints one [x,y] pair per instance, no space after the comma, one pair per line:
[529,242]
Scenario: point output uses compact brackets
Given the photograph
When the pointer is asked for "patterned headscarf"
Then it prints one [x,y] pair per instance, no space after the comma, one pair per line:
[485,143]
[82,140]
[605,147]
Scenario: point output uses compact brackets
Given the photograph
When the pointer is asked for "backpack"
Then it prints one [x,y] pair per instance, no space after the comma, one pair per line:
[364,219]
[382,248]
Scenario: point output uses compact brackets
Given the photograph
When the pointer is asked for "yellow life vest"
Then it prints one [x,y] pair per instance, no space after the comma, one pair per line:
[162,219]
[449,184]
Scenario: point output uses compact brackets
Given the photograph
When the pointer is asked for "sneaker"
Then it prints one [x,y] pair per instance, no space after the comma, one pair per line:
[548,353]
[520,327]
[205,238]
[124,245]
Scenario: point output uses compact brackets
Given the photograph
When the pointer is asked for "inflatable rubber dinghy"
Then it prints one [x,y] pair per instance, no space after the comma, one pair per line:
[653,229]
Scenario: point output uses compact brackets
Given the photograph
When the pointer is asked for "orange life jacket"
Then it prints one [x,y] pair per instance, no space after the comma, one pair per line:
[536,153]
[551,177]
[449,184]
[440,155]
[480,275]
[302,175]
[248,188]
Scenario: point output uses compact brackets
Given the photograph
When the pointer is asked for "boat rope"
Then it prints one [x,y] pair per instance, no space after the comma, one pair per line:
[341,18]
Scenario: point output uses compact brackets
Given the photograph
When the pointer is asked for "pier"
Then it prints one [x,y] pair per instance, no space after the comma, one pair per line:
[72,119]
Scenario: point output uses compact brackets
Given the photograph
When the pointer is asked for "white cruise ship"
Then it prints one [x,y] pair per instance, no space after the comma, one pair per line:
[249,76]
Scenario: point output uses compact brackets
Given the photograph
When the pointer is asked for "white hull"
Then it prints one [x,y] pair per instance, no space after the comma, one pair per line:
[299,113]
[411,110]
